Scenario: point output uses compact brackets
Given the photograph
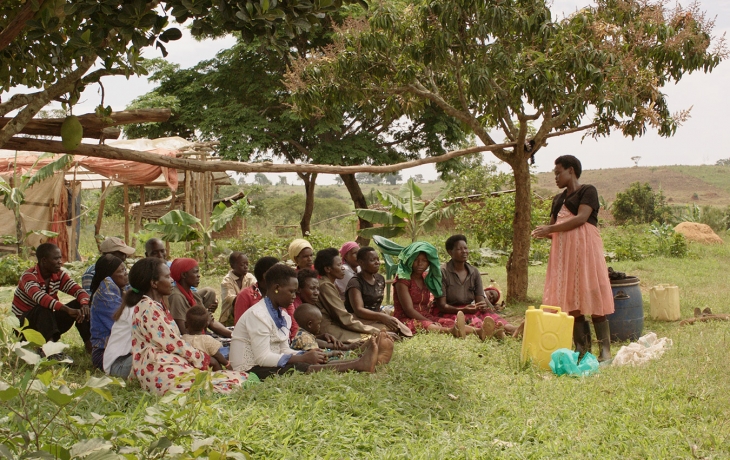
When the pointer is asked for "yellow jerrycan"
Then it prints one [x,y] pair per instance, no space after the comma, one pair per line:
[664,303]
[546,329]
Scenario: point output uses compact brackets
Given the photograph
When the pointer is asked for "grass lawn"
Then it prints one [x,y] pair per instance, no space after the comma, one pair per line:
[446,398]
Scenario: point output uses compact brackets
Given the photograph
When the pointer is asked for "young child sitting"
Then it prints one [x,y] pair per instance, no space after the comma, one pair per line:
[309,319]
[197,320]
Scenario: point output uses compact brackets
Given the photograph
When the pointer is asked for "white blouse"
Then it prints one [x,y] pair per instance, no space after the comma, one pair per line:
[256,341]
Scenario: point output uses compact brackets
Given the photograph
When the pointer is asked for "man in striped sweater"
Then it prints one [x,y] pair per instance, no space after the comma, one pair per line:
[36,298]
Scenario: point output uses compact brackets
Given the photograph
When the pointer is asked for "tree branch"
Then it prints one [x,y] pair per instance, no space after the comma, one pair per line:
[472,122]
[303,150]
[42,98]
[17,24]
[113,153]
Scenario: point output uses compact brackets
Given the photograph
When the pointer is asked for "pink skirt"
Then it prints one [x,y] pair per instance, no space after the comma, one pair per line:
[577,275]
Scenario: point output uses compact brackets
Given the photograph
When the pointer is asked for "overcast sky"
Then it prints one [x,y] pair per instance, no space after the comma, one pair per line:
[699,141]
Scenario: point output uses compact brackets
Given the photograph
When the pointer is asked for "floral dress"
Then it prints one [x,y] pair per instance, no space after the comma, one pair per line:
[163,361]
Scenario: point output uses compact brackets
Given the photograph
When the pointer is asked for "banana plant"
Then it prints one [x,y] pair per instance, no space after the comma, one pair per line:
[405,214]
[177,225]
[13,196]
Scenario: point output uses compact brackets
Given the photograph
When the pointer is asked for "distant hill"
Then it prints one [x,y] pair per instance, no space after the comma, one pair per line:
[701,185]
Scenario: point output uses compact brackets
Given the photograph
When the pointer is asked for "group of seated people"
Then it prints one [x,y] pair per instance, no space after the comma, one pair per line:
[154,323]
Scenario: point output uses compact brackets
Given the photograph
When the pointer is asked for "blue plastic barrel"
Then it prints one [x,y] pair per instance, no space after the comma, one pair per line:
[627,321]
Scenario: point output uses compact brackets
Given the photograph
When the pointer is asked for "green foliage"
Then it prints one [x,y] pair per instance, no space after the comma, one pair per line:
[11,267]
[718,219]
[470,176]
[406,214]
[668,242]
[639,204]
[637,242]
[177,225]
[490,219]
[48,415]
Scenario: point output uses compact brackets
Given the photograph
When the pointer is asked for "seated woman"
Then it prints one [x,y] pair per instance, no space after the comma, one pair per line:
[348,254]
[260,342]
[365,293]
[250,296]
[301,253]
[308,293]
[413,289]
[107,286]
[336,320]
[186,274]
[463,292]
[162,360]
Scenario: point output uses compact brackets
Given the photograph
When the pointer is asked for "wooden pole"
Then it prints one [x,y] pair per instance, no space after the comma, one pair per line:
[126,213]
[188,200]
[102,203]
[138,220]
[94,126]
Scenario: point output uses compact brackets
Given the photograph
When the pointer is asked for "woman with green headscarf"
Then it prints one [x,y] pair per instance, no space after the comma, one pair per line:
[418,277]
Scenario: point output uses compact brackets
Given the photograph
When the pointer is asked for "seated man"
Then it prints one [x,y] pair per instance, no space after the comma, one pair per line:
[154,247]
[238,278]
[111,245]
[36,298]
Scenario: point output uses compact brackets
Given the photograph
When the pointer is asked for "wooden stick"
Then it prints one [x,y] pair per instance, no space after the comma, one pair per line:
[102,203]
[94,126]
[138,221]
[126,213]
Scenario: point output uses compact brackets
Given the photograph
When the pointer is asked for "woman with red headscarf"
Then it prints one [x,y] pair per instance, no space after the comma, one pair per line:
[186,274]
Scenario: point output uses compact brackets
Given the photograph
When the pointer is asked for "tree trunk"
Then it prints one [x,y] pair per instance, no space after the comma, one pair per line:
[518,262]
[358,199]
[309,181]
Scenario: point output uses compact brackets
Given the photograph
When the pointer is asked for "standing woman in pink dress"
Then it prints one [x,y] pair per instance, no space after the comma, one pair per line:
[577,276]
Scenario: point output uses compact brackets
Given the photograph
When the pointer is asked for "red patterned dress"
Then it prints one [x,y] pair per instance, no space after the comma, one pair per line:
[421,299]
[163,361]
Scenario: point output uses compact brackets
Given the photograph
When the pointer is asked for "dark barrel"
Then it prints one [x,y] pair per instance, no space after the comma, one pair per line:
[627,322]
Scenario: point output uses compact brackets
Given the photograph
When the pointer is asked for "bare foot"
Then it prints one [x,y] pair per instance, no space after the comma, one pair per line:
[520,329]
[369,358]
[499,334]
[385,348]
[487,329]
[460,325]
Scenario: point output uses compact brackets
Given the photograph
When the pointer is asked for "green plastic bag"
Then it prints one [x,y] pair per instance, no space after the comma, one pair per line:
[565,362]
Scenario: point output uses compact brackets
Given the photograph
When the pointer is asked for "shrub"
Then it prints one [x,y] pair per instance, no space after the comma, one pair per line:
[639,242]
[11,267]
[639,204]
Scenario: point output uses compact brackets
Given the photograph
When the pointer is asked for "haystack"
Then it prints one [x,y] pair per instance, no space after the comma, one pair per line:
[700,233]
